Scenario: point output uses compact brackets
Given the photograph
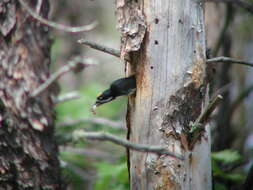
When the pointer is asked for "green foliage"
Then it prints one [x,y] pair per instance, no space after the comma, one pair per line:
[75,159]
[231,176]
[78,161]
[226,156]
[109,176]
[221,162]
[80,108]
[55,49]
[112,177]
[72,178]
[219,186]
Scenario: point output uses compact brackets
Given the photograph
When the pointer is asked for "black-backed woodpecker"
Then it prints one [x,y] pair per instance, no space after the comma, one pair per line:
[120,87]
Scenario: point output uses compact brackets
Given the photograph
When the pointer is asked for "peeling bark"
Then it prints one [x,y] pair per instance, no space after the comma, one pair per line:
[28,151]
[131,25]
[171,93]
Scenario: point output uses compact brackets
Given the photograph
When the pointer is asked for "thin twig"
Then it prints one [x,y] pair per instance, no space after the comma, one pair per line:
[101,48]
[55,76]
[58,26]
[100,121]
[228,60]
[243,4]
[198,126]
[66,97]
[119,141]
[208,110]
[116,53]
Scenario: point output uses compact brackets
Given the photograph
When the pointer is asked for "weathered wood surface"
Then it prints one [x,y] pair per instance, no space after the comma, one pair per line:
[28,150]
[170,71]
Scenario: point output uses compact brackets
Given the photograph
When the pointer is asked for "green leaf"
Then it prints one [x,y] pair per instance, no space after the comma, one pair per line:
[226,156]
[219,186]
[237,177]
[112,176]
[231,176]
[216,169]
[80,108]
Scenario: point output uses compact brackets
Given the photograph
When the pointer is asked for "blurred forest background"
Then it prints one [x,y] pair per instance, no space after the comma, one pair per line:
[102,166]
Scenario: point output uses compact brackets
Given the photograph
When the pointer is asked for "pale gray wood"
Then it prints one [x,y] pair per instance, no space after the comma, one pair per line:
[170,71]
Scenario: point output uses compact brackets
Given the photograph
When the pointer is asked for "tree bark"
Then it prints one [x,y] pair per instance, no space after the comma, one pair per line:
[166,43]
[28,151]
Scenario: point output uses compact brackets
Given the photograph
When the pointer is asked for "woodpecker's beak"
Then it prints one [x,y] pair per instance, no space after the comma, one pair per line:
[93,109]
[99,103]
[102,101]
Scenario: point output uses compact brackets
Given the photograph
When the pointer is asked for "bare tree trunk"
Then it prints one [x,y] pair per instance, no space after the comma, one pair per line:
[166,43]
[28,151]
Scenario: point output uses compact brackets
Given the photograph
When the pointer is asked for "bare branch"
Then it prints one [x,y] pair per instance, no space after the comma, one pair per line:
[228,60]
[55,76]
[58,26]
[198,126]
[243,4]
[102,48]
[66,97]
[137,147]
[100,121]
[116,53]
[208,110]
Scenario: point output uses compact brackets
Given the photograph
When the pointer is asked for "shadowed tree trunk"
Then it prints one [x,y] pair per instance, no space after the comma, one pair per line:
[224,131]
[28,151]
[166,43]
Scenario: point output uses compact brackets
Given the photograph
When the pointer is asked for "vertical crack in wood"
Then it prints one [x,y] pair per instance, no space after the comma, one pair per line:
[170,74]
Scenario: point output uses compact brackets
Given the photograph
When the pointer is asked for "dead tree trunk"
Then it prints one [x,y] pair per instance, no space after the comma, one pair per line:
[28,151]
[165,40]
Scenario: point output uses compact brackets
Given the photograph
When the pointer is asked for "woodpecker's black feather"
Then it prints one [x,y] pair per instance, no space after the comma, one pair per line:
[123,86]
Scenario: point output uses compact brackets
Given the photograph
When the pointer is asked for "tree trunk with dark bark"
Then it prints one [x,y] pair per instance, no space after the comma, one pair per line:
[28,150]
[166,43]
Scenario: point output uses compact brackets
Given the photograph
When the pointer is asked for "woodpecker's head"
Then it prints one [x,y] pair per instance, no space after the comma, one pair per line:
[120,87]
[103,98]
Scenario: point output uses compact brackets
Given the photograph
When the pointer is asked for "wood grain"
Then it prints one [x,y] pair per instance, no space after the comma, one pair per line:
[170,72]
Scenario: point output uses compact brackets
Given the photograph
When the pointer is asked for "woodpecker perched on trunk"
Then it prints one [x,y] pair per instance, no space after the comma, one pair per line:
[120,87]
